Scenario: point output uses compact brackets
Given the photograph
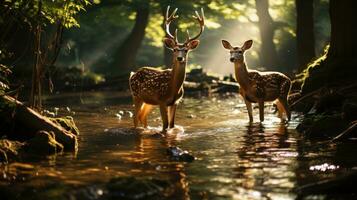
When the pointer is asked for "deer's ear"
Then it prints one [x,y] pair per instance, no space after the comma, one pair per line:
[169,43]
[227,45]
[247,44]
[193,44]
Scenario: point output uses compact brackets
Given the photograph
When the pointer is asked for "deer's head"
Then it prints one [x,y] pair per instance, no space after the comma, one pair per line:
[171,42]
[237,53]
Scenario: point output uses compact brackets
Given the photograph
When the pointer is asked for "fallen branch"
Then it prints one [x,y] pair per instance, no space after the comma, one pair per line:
[344,134]
[305,97]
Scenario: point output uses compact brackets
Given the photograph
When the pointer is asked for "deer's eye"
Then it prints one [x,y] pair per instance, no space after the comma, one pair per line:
[175,50]
[186,50]
[240,51]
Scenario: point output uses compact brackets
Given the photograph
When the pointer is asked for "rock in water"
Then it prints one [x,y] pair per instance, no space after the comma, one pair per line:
[67,123]
[44,143]
[178,154]
[137,188]
[9,150]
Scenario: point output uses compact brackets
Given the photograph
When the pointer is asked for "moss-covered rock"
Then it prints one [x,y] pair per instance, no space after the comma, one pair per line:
[9,150]
[27,122]
[43,143]
[67,123]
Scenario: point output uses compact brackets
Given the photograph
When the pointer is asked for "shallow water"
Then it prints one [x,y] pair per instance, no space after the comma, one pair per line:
[234,160]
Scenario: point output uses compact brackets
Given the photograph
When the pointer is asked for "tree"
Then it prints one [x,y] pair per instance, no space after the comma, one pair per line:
[268,54]
[45,20]
[338,67]
[125,55]
[305,32]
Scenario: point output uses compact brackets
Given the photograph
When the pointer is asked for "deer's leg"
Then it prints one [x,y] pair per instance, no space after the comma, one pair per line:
[249,108]
[146,108]
[172,113]
[164,117]
[138,104]
[281,109]
[284,103]
[261,110]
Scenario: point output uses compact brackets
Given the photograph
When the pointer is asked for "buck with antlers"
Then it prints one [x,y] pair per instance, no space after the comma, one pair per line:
[258,87]
[150,86]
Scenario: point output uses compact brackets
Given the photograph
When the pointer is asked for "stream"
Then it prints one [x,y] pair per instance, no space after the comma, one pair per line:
[234,159]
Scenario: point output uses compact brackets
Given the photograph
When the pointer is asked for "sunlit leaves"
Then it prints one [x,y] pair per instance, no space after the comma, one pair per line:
[154,31]
[51,11]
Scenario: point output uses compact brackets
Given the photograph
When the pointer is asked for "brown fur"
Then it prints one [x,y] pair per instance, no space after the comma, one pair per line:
[259,87]
[150,86]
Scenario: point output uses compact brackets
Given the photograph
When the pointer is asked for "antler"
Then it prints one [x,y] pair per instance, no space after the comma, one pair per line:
[168,20]
[201,21]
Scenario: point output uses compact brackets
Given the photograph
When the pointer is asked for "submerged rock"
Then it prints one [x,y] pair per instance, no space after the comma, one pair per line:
[137,188]
[178,154]
[44,143]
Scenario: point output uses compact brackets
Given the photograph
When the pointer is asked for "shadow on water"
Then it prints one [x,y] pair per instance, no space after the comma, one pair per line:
[235,159]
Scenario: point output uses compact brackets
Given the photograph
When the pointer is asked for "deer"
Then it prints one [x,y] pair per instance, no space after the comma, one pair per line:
[164,88]
[259,87]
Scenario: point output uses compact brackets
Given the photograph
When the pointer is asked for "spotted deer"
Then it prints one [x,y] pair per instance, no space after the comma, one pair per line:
[259,87]
[151,86]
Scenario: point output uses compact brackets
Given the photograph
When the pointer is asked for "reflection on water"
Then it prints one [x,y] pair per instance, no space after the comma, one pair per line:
[235,159]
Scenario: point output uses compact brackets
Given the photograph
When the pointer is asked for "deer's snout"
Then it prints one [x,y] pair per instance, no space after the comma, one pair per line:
[232,59]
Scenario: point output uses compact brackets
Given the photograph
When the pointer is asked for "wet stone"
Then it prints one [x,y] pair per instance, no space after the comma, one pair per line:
[43,143]
[137,188]
[9,150]
[178,154]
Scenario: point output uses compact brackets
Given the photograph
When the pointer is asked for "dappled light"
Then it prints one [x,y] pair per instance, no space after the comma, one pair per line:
[177,99]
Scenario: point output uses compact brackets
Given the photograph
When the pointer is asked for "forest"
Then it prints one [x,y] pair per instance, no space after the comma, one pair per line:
[177,99]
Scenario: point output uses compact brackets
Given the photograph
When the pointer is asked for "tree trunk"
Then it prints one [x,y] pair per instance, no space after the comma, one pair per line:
[342,55]
[126,54]
[343,17]
[36,89]
[268,54]
[305,32]
[340,66]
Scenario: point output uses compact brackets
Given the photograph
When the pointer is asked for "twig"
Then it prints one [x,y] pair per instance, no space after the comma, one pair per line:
[305,96]
[345,132]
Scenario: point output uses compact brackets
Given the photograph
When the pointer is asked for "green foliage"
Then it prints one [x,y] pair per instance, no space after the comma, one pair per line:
[45,11]
[313,66]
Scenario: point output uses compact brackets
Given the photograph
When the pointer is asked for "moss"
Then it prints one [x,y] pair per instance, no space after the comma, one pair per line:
[9,149]
[43,143]
[314,75]
[67,123]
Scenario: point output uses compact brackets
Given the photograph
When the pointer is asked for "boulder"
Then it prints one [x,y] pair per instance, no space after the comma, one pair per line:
[30,122]
[43,143]
[9,150]
[67,123]
[178,154]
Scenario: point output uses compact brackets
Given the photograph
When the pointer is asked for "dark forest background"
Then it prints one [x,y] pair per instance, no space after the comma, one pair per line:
[59,44]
